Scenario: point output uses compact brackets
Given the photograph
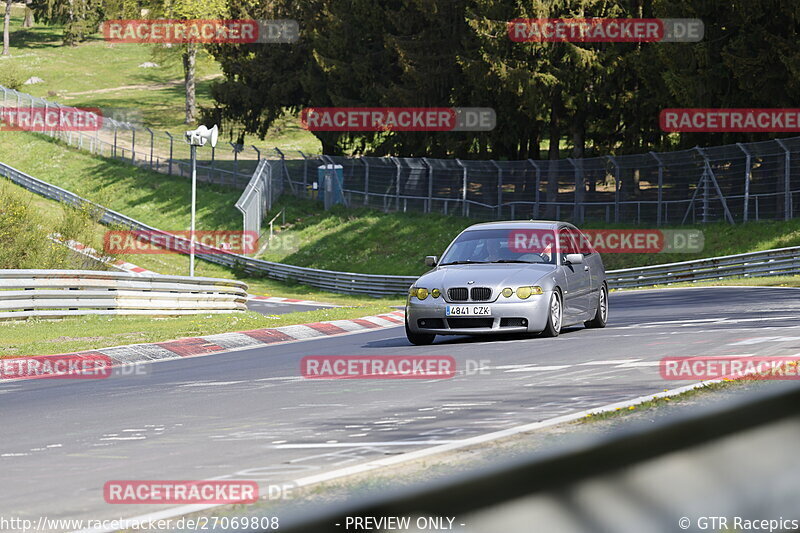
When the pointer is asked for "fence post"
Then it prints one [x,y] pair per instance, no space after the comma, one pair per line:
[236,149]
[397,184]
[787,193]
[577,215]
[169,163]
[366,180]
[536,193]
[708,175]
[660,186]
[464,210]
[305,172]
[429,202]
[747,175]
[133,144]
[499,189]
[616,187]
[151,146]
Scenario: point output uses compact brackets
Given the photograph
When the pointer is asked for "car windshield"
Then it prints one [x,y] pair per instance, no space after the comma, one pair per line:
[494,246]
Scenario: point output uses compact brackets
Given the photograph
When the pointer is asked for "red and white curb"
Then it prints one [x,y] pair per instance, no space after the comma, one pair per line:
[91,253]
[223,342]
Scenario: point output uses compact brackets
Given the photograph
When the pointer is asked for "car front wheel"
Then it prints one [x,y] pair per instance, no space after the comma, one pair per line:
[554,316]
[600,317]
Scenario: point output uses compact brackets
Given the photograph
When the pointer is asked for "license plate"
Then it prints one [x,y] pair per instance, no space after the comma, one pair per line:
[468,310]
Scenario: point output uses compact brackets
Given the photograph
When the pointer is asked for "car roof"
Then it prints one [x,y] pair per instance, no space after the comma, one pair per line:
[518,224]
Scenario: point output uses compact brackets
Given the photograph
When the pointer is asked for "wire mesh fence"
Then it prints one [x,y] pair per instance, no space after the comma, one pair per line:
[734,183]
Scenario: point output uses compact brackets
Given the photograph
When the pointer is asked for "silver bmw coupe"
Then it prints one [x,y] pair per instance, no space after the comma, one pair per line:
[509,277]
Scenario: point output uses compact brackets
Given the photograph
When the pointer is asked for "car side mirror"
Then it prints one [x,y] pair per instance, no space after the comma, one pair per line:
[431,261]
[574,259]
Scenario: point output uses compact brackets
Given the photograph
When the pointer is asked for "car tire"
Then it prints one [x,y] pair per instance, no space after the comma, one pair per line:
[601,316]
[555,316]
[419,339]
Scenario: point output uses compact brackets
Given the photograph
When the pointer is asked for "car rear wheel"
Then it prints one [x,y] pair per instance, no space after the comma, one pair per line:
[600,317]
[420,339]
[554,316]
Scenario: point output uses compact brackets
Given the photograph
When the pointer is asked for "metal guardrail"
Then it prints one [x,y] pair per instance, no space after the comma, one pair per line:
[776,262]
[61,293]
[651,477]
[783,261]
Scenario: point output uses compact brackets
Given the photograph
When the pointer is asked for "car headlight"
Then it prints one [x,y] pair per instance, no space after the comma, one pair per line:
[507,292]
[436,293]
[422,293]
[525,292]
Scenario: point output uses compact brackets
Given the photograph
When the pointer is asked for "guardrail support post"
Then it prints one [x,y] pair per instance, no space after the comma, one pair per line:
[787,191]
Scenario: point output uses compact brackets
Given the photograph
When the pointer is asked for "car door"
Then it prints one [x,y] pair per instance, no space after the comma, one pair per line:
[577,295]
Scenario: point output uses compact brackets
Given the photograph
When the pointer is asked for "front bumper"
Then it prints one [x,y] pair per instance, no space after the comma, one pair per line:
[432,310]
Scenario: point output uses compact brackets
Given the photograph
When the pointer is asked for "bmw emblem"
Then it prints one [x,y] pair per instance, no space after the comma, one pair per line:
[470,282]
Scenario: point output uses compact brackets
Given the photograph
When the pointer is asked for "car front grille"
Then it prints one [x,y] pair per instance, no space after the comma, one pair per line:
[459,323]
[481,294]
[457,294]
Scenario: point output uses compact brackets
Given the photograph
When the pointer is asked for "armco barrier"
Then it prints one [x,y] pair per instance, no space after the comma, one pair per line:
[783,261]
[61,293]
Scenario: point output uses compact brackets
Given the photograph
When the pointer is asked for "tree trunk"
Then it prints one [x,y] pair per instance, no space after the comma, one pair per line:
[553,152]
[27,22]
[189,59]
[7,29]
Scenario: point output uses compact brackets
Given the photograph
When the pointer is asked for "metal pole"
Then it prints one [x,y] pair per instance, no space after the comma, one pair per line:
[787,194]
[133,145]
[660,186]
[747,175]
[577,214]
[397,184]
[366,180]
[151,146]
[430,184]
[194,204]
[499,189]
[463,189]
[536,194]
[616,187]
[169,163]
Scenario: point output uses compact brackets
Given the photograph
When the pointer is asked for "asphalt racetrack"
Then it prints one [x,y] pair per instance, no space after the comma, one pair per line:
[250,415]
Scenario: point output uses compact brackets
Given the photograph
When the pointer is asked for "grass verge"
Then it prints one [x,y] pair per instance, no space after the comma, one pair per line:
[44,337]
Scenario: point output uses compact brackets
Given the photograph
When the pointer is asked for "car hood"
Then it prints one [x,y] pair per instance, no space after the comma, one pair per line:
[491,275]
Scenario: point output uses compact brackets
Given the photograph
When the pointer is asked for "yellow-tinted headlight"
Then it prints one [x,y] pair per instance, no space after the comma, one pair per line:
[412,291]
[526,292]
[422,293]
[507,292]
[436,293]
